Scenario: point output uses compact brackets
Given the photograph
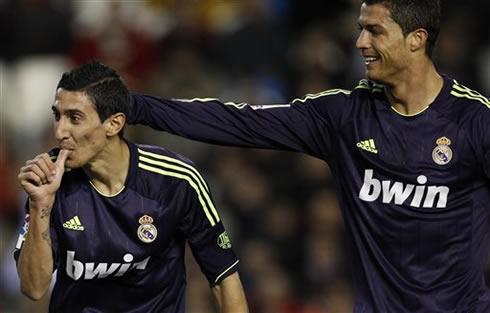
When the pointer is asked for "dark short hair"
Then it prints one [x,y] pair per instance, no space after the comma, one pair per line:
[103,86]
[413,14]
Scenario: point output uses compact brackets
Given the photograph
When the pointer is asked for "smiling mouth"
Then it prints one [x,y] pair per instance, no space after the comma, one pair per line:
[369,60]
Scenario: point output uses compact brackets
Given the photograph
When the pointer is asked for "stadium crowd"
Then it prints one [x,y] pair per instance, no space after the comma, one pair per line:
[285,225]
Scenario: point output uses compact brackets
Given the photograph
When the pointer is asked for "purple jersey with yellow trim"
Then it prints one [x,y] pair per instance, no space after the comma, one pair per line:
[413,190]
[125,252]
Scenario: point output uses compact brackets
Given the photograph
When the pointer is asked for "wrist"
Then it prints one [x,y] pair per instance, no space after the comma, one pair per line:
[41,209]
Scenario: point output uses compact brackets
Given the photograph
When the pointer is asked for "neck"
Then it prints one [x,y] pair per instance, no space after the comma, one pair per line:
[416,90]
[108,171]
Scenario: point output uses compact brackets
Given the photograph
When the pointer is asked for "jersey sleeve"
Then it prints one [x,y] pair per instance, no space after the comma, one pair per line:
[308,125]
[486,146]
[206,235]
[24,232]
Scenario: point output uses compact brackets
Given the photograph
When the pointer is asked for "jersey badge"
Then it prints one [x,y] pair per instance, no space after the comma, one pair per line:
[74,224]
[147,232]
[442,153]
[224,241]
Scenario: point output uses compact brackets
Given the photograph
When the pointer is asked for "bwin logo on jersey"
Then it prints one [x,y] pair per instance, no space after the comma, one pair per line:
[398,192]
[76,269]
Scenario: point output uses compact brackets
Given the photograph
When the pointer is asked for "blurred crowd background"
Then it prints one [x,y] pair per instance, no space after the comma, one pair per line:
[279,207]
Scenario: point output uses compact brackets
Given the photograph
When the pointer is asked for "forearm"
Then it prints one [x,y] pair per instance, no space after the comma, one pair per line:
[229,295]
[35,265]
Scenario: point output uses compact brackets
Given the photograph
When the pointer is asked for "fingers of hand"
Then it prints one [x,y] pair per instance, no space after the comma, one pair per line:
[40,170]
[29,177]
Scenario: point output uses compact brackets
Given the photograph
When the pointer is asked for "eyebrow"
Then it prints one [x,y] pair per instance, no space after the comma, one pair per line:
[371,26]
[67,112]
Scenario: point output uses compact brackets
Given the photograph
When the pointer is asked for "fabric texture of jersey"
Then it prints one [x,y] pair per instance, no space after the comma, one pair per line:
[413,190]
[125,252]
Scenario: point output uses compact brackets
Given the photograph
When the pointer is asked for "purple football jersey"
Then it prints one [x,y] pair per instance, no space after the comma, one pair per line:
[413,190]
[125,252]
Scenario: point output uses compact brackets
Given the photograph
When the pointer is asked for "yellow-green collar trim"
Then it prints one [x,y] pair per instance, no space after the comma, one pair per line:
[103,194]
[408,115]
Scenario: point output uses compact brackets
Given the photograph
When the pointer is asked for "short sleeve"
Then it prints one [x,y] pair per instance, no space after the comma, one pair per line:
[206,235]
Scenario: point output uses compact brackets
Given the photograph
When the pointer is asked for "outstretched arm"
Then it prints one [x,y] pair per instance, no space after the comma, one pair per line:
[229,295]
[40,178]
[305,125]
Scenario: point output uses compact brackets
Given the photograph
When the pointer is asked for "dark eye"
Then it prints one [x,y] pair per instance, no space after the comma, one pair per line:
[56,116]
[75,118]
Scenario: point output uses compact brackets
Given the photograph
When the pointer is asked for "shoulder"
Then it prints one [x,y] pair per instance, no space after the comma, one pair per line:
[338,105]
[160,153]
[466,105]
[469,110]
[162,164]
[469,98]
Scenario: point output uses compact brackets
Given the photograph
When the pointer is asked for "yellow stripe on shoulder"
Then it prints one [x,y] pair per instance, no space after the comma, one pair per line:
[173,164]
[187,167]
[461,91]
[199,191]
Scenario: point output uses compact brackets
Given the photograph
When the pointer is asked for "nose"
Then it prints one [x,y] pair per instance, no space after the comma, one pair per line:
[363,40]
[60,129]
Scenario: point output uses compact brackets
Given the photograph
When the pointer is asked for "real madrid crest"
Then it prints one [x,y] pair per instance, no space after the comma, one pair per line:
[442,153]
[147,232]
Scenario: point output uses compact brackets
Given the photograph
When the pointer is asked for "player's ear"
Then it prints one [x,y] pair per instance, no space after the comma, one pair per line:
[115,123]
[418,39]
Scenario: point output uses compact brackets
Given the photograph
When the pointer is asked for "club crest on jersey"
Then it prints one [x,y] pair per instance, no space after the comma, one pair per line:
[442,153]
[147,232]
[224,241]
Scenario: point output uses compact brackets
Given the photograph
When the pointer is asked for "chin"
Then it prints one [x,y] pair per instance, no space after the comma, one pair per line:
[372,76]
[72,164]
[69,164]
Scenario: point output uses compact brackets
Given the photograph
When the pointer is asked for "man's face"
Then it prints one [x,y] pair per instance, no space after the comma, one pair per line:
[77,127]
[382,44]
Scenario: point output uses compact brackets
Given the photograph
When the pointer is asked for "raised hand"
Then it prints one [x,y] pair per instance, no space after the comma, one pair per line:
[41,178]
